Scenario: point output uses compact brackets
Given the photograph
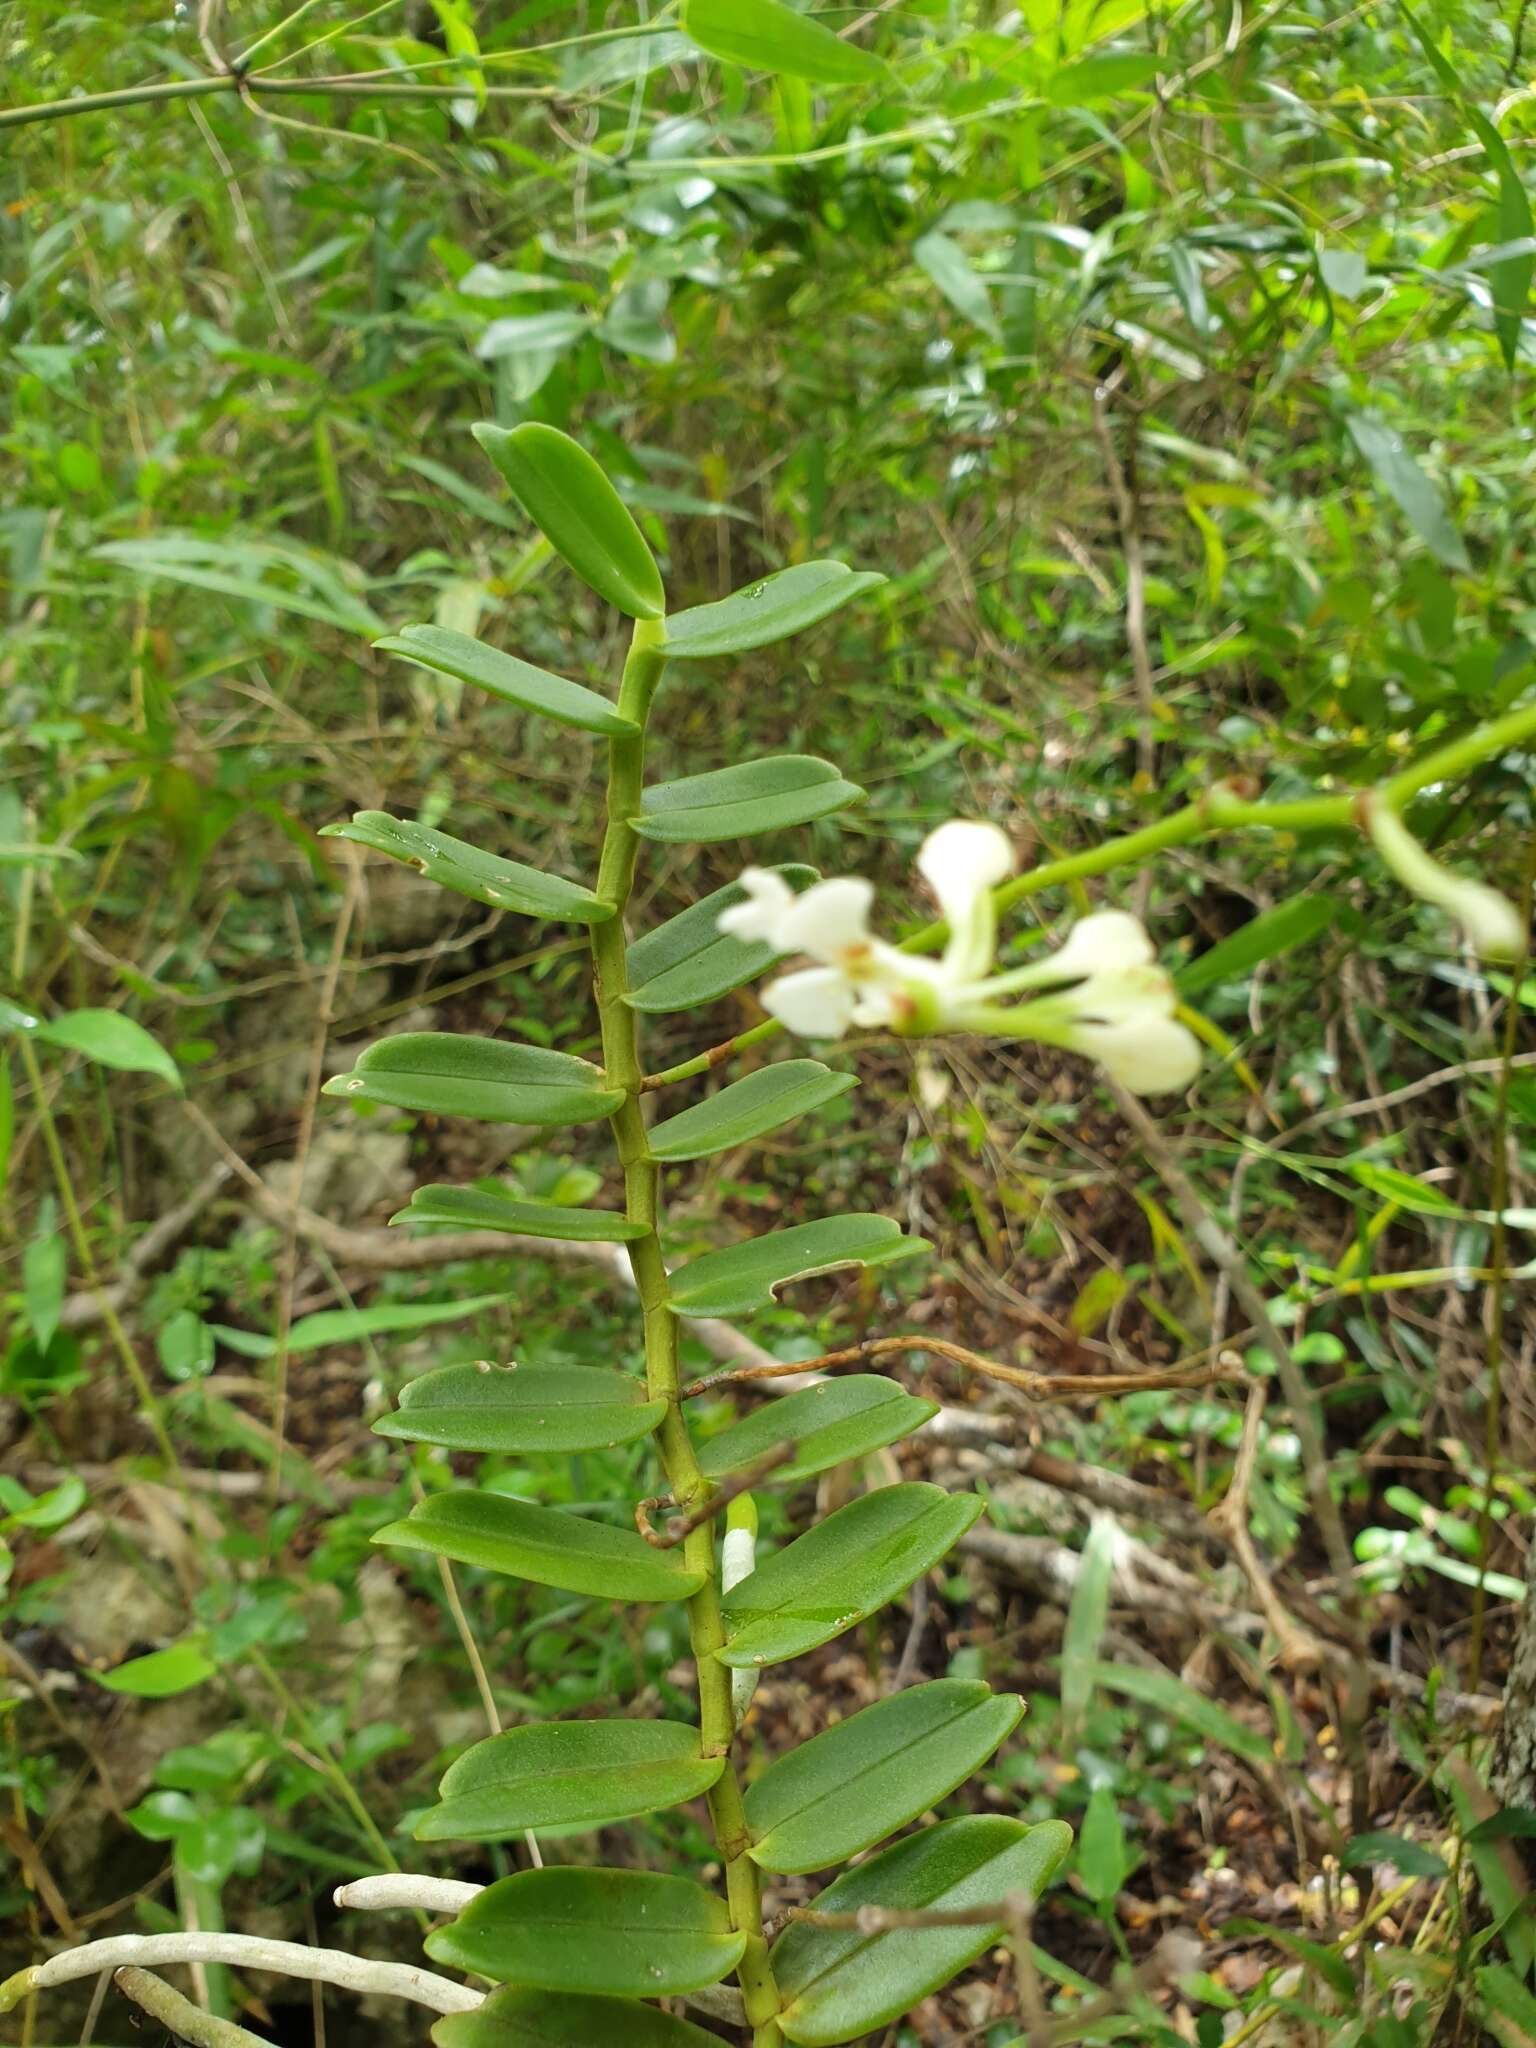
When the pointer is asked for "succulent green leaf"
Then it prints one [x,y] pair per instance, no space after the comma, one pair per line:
[515,2017]
[828,1424]
[489,1209]
[483,1407]
[745,1277]
[772,609]
[748,1109]
[572,503]
[869,1775]
[735,803]
[689,960]
[838,1983]
[542,1544]
[444,1073]
[841,1570]
[519,682]
[765,35]
[567,1774]
[624,1932]
[484,877]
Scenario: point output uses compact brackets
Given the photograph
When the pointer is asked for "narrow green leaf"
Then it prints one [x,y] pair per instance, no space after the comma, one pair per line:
[518,682]
[515,2017]
[828,1424]
[869,1775]
[161,1674]
[330,1326]
[1086,1619]
[1171,1696]
[44,1270]
[1509,2008]
[1402,1189]
[842,1569]
[734,803]
[1331,1967]
[689,960]
[1408,1858]
[745,1277]
[488,1209]
[1402,479]
[483,1407]
[443,1073]
[765,35]
[572,503]
[839,1983]
[484,877]
[544,1545]
[748,1109]
[1103,1856]
[111,1040]
[786,602]
[609,1931]
[1273,932]
[945,262]
[567,1774]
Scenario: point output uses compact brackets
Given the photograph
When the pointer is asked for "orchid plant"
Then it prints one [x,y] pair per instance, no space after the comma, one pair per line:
[577,1955]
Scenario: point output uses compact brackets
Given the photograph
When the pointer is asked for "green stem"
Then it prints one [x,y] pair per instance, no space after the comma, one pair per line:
[643,1204]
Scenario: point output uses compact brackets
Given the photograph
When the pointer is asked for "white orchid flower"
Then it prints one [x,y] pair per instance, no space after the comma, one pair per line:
[1108,998]
[1490,921]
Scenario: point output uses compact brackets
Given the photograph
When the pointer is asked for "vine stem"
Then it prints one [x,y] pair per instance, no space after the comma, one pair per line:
[643,1205]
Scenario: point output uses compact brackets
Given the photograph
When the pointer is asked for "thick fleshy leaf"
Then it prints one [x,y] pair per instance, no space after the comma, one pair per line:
[779,605]
[544,1545]
[869,1775]
[748,1109]
[515,2017]
[567,1774]
[519,682]
[828,1424]
[488,1209]
[630,1932]
[443,1073]
[483,1407]
[734,803]
[484,877]
[744,1277]
[689,960]
[572,503]
[838,1983]
[840,1570]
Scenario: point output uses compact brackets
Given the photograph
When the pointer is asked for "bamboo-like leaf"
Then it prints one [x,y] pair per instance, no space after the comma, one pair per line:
[748,1109]
[572,503]
[484,877]
[745,1277]
[784,603]
[489,1209]
[544,1545]
[827,1424]
[444,1073]
[517,682]
[515,2017]
[689,960]
[483,1407]
[736,803]
[567,1774]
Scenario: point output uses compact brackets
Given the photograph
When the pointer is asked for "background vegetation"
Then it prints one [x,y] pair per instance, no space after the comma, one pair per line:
[1172,362]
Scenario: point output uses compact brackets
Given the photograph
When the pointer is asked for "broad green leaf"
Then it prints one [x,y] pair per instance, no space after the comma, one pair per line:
[484,877]
[350,1325]
[518,682]
[1171,1696]
[610,1931]
[515,2017]
[1086,1619]
[869,1775]
[828,1424]
[786,602]
[1402,479]
[161,1674]
[734,803]
[1408,1858]
[839,1983]
[748,1109]
[111,1040]
[689,960]
[567,1774]
[747,1276]
[840,1570]
[765,35]
[44,1269]
[486,1209]
[186,1346]
[49,1510]
[1280,930]
[520,333]
[573,504]
[946,263]
[544,1545]
[483,1407]
[1104,1859]
[443,1073]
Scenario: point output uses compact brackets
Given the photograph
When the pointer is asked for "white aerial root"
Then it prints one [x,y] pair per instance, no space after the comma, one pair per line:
[403,1888]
